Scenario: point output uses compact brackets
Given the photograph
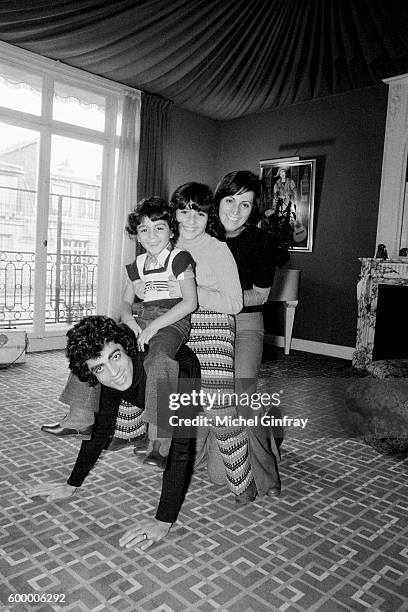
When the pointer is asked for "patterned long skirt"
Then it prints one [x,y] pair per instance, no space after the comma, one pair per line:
[212,339]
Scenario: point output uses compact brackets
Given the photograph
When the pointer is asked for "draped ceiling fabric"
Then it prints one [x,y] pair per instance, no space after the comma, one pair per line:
[220,58]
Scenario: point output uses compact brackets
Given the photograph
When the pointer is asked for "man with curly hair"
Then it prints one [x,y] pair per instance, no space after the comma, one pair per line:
[100,350]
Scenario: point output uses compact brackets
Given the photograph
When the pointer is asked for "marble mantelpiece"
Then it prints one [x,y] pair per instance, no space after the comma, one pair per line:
[374,272]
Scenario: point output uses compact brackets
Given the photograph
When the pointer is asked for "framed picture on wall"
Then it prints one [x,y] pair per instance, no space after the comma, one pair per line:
[288,199]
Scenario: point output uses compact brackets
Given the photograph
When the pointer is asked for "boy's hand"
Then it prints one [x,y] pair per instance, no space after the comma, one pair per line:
[145,335]
[136,329]
[174,287]
[139,287]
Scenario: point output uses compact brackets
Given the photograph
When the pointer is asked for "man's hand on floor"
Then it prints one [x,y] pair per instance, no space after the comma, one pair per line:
[144,534]
[51,491]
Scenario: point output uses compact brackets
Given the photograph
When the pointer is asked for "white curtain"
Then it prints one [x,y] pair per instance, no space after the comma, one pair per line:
[125,198]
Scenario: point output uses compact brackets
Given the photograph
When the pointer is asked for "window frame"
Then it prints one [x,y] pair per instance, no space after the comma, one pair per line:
[51,71]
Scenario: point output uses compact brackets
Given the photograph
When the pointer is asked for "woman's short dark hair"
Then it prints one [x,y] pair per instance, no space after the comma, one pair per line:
[156,209]
[87,339]
[198,197]
[238,182]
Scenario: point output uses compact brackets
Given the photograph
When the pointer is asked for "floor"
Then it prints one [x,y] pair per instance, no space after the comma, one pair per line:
[336,539]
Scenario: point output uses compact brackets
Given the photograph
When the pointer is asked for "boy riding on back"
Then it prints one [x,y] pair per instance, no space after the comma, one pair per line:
[165,321]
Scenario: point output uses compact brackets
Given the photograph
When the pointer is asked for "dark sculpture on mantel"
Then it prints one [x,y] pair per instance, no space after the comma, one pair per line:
[381,252]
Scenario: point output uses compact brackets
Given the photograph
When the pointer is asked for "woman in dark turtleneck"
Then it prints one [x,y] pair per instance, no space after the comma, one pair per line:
[237,202]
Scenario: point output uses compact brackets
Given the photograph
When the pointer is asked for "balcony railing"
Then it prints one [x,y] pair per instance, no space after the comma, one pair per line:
[70,274]
[70,287]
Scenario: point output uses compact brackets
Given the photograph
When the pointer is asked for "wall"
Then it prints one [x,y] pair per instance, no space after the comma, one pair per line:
[346,134]
[194,146]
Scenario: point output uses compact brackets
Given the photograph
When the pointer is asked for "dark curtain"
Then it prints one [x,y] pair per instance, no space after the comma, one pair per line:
[218,58]
[155,125]
[152,179]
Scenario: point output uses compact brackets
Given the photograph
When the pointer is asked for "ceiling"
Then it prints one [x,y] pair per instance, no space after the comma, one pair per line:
[220,58]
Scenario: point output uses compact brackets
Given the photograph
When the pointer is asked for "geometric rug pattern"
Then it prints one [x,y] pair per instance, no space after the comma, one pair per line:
[336,539]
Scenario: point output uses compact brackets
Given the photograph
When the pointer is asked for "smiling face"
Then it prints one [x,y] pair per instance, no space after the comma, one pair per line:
[235,211]
[154,236]
[192,223]
[113,368]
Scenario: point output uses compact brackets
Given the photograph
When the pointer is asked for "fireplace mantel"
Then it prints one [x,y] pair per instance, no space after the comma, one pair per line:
[374,272]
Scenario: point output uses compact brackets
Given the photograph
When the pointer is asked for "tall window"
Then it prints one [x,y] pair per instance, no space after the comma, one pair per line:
[58,143]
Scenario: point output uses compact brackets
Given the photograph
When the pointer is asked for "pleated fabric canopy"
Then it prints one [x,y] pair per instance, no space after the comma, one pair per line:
[220,58]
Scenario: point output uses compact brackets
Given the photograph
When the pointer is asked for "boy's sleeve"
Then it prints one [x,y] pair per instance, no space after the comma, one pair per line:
[183,266]
[132,271]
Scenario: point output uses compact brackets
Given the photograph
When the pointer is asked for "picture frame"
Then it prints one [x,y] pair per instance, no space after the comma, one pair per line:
[288,194]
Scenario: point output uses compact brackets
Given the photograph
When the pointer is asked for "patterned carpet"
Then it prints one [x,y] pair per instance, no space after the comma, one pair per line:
[336,539]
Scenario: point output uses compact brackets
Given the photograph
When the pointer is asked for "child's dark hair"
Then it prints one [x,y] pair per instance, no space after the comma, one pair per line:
[239,182]
[198,197]
[87,339]
[156,209]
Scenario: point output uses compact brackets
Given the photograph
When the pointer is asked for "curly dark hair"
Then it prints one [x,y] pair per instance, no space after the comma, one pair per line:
[199,197]
[87,338]
[238,182]
[156,209]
